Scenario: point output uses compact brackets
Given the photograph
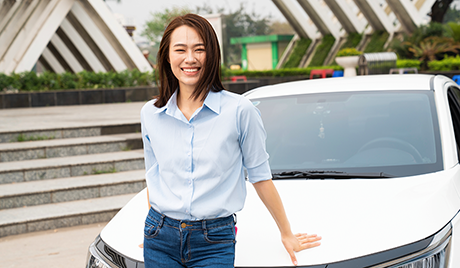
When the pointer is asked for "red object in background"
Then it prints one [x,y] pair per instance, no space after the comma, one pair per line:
[239,78]
[236,230]
[321,72]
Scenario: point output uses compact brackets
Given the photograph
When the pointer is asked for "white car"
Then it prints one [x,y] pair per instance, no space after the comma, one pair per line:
[370,163]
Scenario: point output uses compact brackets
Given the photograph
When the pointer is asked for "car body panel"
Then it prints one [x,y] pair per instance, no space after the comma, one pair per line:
[358,83]
[393,208]
[355,217]
[125,232]
[445,122]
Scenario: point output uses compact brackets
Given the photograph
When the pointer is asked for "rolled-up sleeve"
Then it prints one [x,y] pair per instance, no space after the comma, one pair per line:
[252,138]
[149,155]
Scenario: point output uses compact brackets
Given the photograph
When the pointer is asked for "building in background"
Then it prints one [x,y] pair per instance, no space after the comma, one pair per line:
[261,52]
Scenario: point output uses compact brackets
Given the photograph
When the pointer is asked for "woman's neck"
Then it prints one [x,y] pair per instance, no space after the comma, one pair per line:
[187,104]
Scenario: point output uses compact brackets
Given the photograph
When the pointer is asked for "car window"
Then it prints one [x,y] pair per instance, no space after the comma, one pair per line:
[394,132]
[454,98]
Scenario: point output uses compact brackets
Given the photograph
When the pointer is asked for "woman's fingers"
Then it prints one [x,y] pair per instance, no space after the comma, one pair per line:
[308,241]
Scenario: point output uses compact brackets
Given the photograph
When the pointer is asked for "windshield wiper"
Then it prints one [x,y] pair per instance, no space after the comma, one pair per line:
[326,174]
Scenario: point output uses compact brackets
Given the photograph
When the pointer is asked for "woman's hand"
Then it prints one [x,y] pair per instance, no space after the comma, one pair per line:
[295,243]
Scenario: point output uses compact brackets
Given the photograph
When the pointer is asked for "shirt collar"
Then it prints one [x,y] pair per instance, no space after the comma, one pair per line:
[172,102]
[212,101]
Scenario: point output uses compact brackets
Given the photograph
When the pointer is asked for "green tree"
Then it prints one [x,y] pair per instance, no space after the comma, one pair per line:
[278,27]
[155,27]
[238,23]
[452,15]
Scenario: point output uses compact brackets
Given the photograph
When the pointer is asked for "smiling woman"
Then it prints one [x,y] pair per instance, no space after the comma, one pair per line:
[198,140]
[186,43]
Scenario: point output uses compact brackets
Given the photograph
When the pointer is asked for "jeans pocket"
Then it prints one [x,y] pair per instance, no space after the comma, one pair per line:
[220,235]
[151,228]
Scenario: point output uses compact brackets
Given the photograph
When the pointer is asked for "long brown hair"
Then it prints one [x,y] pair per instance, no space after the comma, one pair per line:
[210,77]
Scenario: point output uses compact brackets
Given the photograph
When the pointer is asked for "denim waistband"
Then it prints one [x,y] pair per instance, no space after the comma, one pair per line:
[187,224]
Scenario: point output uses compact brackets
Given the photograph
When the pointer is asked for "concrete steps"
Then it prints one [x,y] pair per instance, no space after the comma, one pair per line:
[70,189]
[66,214]
[73,166]
[20,151]
[66,133]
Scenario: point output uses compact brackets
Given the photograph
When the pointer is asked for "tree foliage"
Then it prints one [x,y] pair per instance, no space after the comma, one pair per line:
[432,46]
[155,27]
[236,23]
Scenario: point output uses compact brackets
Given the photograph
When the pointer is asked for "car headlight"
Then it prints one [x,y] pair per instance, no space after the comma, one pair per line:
[94,258]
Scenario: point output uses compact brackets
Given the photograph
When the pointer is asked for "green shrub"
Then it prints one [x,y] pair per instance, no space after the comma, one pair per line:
[280,72]
[322,50]
[298,53]
[446,64]
[345,52]
[408,64]
[30,81]
[377,42]
[454,31]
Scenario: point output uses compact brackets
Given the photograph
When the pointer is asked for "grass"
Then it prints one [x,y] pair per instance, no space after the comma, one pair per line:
[322,50]
[297,54]
[127,148]
[96,172]
[21,137]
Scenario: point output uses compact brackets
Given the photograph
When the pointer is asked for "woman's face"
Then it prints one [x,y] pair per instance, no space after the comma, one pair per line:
[187,56]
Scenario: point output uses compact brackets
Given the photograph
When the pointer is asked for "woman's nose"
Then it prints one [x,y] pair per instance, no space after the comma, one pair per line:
[190,57]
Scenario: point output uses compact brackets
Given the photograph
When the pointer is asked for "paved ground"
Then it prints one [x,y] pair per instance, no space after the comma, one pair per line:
[69,116]
[66,247]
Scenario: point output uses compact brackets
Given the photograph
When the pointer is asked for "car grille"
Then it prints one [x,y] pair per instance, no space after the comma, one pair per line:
[116,258]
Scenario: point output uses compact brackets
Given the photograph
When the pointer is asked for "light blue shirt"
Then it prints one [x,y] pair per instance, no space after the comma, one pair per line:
[195,168]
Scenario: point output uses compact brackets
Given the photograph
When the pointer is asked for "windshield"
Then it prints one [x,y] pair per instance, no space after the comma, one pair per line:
[394,132]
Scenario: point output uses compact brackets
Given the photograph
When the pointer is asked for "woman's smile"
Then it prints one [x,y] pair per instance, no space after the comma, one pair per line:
[191,71]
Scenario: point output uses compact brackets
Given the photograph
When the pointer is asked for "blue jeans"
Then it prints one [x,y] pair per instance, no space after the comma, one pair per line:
[173,243]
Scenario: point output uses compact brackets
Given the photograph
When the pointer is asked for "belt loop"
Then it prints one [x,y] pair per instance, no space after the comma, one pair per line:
[203,224]
[161,221]
[234,218]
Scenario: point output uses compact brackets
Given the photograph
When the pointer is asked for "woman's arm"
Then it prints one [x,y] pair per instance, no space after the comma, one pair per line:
[148,198]
[293,243]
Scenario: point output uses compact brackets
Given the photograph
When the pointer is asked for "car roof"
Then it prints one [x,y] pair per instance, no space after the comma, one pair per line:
[344,84]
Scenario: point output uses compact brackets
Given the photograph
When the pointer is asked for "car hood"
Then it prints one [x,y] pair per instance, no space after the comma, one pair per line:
[355,217]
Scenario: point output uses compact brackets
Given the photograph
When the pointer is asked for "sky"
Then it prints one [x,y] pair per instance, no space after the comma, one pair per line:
[137,12]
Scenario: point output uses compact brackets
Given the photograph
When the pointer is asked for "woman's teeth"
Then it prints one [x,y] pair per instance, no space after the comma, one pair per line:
[190,70]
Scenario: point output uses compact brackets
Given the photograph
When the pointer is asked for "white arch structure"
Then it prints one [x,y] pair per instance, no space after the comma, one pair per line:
[76,35]
[390,15]
[340,17]
[64,35]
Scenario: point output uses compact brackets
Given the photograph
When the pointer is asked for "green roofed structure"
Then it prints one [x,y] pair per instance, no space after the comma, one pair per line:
[261,52]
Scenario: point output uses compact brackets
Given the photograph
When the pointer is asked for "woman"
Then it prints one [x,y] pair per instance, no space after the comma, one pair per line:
[198,138]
